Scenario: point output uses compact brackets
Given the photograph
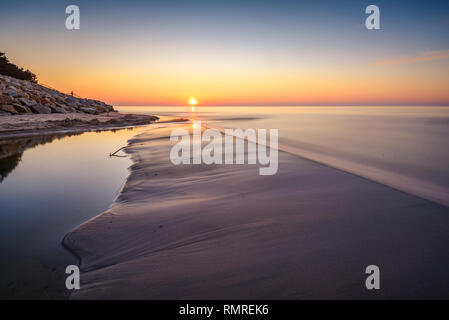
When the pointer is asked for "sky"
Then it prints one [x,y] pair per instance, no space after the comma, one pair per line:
[230,52]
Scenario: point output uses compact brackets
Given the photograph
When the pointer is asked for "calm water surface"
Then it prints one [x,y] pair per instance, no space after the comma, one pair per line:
[49,185]
[403,147]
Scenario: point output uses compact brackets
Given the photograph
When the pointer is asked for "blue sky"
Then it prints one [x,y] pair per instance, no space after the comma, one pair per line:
[276,36]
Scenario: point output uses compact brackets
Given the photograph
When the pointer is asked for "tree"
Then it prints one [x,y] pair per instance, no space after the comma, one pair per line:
[9,69]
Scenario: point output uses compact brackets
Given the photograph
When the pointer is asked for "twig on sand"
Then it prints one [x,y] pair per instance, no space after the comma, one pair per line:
[114,154]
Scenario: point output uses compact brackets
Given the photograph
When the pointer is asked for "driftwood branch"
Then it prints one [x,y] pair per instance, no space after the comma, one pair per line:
[114,154]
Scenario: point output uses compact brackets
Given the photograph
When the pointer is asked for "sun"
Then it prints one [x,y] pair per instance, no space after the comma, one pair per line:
[193,102]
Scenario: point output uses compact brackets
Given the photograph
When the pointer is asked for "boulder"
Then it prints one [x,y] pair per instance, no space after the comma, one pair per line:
[22,109]
[70,109]
[65,107]
[39,108]
[72,105]
[26,97]
[23,94]
[5,99]
[26,102]
[14,82]
[70,99]
[12,92]
[8,108]
[60,100]
[56,109]
[88,110]
[108,107]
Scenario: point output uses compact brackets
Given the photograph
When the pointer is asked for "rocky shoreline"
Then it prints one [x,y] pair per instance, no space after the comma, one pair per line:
[43,124]
[28,109]
[25,97]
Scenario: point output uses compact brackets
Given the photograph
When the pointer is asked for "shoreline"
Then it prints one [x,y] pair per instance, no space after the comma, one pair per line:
[20,126]
[157,224]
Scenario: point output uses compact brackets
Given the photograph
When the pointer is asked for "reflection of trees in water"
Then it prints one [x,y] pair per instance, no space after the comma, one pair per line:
[11,150]
[8,164]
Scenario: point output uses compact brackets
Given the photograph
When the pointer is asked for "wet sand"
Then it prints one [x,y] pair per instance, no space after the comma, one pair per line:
[42,124]
[225,232]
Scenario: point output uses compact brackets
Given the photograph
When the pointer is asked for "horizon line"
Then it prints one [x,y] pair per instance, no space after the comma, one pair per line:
[287,105]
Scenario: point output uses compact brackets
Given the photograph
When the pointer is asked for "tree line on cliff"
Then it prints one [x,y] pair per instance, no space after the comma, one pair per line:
[9,69]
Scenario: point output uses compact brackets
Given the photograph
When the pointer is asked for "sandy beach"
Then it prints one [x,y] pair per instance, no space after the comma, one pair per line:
[223,151]
[225,232]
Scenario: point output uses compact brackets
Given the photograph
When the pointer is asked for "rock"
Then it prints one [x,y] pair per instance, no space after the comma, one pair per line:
[12,92]
[21,108]
[24,94]
[72,105]
[89,110]
[8,108]
[65,107]
[5,99]
[14,82]
[70,109]
[25,97]
[3,113]
[39,108]
[26,102]
[38,99]
[56,109]
[102,109]
[70,99]
[60,100]
[106,107]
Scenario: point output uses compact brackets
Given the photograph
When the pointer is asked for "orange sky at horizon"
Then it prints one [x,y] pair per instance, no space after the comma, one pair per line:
[165,83]
[229,53]
[374,85]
